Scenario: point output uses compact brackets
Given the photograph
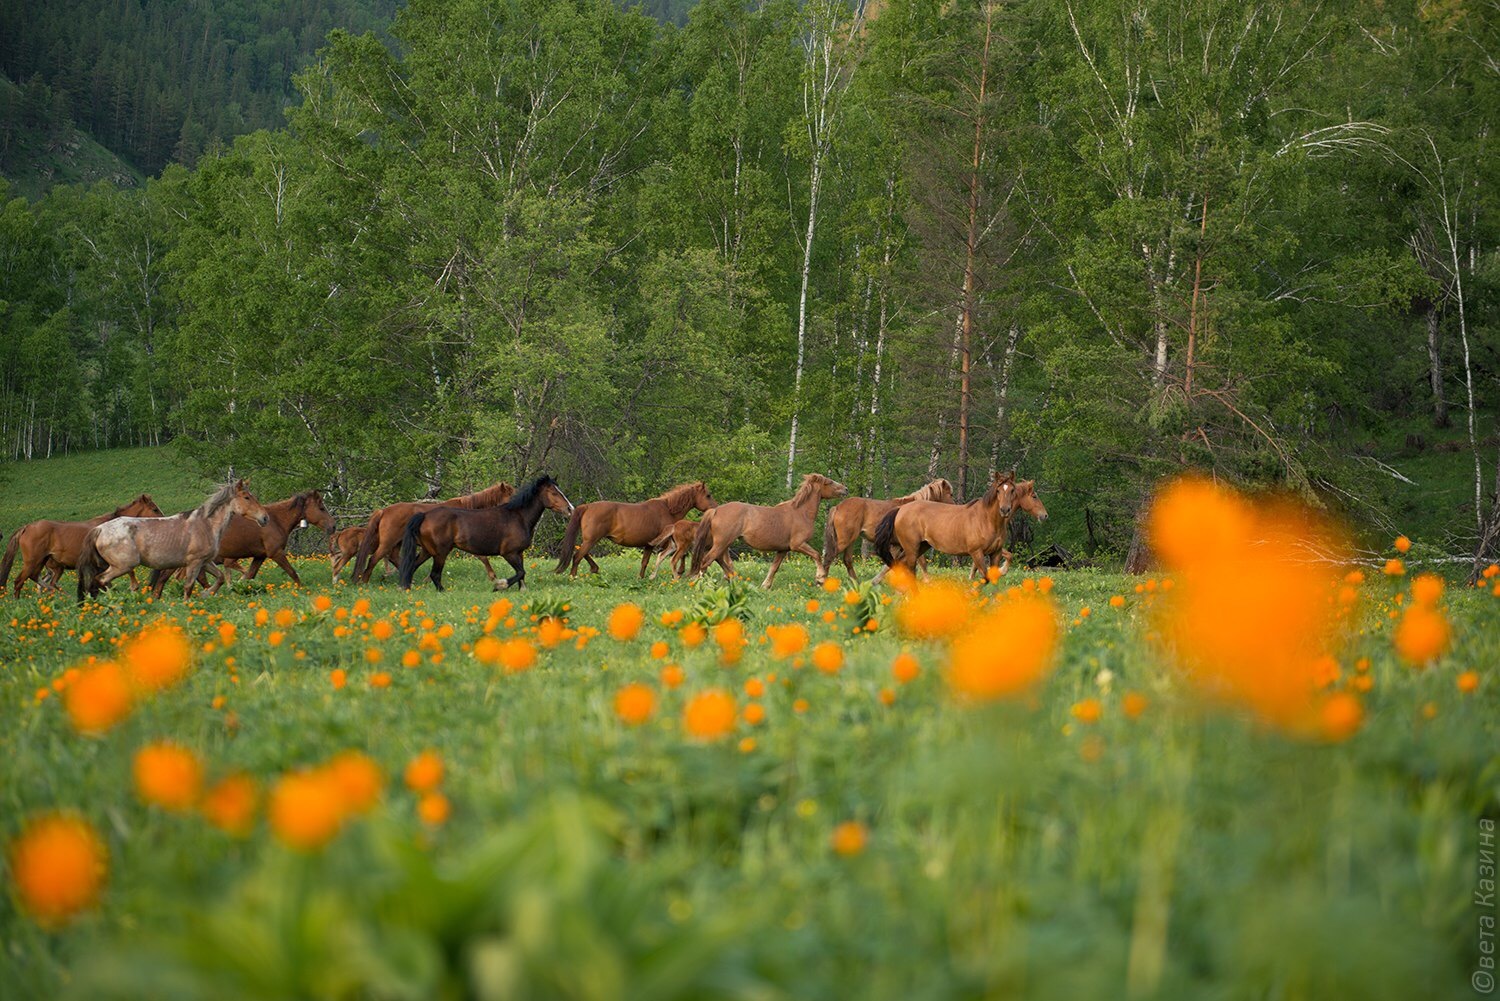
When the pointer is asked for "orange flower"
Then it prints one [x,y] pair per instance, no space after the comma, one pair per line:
[167,776]
[787,641]
[262,616]
[729,634]
[550,632]
[433,809]
[832,584]
[634,703]
[380,679]
[382,630]
[692,634]
[659,650]
[1427,589]
[671,618]
[1087,711]
[1394,568]
[230,805]
[98,699]
[933,610]
[672,675]
[709,715]
[1468,682]
[306,810]
[358,780]
[849,838]
[1423,635]
[500,608]
[361,607]
[339,677]
[1402,544]
[411,658]
[905,668]
[58,864]
[1005,653]
[1133,704]
[373,655]
[755,714]
[226,632]
[747,745]
[887,697]
[424,773]
[517,655]
[755,688]
[275,638]
[488,650]
[625,621]
[158,658]
[813,605]
[1117,601]
[285,618]
[900,579]
[799,706]
[322,603]
[1341,717]
[828,657]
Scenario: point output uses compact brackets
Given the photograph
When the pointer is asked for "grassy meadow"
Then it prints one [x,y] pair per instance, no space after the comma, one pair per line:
[855,836]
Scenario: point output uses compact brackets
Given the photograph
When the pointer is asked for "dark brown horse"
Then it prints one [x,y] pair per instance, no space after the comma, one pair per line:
[342,546]
[503,531]
[386,526]
[679,547]
[782,529]
[646,525]
[859,516]
[245,540]
[971,528]
[55,545]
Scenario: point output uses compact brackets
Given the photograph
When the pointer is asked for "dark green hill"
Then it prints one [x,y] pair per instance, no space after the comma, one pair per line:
[38,151]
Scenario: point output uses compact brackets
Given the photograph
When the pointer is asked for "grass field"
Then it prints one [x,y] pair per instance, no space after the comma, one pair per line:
[1017,849]
[79,486]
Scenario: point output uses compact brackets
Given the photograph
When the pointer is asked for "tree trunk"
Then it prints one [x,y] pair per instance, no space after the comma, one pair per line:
[971,249]
[1435,365]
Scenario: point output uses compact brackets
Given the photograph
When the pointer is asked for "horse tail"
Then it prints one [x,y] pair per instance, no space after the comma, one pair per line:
[10,557]
[702,539]
[570,538]
[89,565]
[409,543]
[830,537]
[885,532]
[366,547]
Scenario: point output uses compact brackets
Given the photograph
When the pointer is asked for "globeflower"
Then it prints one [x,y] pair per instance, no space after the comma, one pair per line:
[828,657]
[230,805]
[167,776]
[158,658]
[517,655]
[306,810]
[1423,635]
[1006,652]
[729,634]
[58,864]
[99,698]
[358,780]
[849,838]
[709,715]
[635,703]
[787,641]
[424,773]
[934,610]
[625,621]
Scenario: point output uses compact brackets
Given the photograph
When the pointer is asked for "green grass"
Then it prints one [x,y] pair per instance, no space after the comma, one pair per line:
[85,484]
[1013,851]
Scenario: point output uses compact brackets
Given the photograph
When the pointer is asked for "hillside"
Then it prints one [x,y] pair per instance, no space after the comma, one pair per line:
[82,485]
[37,153]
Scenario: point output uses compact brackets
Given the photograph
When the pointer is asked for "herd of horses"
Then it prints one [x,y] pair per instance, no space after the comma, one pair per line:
[203,545]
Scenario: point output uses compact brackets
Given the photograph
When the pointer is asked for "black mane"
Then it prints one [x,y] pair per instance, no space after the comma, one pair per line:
[527,494]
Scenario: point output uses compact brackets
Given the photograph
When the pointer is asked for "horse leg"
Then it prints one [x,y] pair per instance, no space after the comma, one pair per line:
[645,558]
[494,581]
[32,570]
[439,560]
[221,577]
[849,563]
[593,567]
[771,574]
[519,566]
[280,559]
[817,558]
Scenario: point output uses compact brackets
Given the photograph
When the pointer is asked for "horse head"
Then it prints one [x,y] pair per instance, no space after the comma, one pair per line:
[244,503]
[142,507]
[314,513]
[1028,501]
[553,497]
[940,490]
[702,499]
[825,486]
[1002,492]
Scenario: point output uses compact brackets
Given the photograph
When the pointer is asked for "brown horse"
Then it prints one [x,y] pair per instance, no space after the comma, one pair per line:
[781,529]
[679,547]
[245,540]
[503,531]
[189,540]
[858,516]
[971,528]
[55,545]
[386,526]
[1026,500]
[646,525]
[342,546]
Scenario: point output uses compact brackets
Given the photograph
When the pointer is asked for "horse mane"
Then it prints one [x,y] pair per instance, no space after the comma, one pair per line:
[488,497]
[810,483]
[215,501]
[672,496]
[996,482]
[523,497]
[925,492]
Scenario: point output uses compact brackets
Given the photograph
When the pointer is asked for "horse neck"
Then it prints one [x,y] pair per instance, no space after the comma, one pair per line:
[218,521]
[807,506]
[532,512]
[284,512]
[678,506]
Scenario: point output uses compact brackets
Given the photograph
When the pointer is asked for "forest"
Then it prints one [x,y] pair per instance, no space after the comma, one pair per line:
[1098,241]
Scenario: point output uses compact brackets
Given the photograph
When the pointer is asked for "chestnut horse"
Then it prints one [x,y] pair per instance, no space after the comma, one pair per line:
[679,547]
[858,516]
[244,540]
[503,531]
[386,525]
[342,546]
[646,525]
[949,528]
[1026,500]
[189,540]
[55,545]
[781,529]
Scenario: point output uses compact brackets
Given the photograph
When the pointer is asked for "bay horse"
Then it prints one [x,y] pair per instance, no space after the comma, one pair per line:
[342,546]
[956,529]
[245,540]
[858,516]
[1026,500]
[647,524]
[679,547]
[189,540]
[781,529]
[384,529]
[503,531]
[54,546]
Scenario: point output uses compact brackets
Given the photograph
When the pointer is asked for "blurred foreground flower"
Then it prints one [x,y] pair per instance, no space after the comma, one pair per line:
[58,864]
[1006,652]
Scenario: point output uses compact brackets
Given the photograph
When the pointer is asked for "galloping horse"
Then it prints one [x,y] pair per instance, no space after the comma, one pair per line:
[781,529]
[342,546]
[849,519]
[190,540]
[55,545]
[503,531]
[384,530]
[244,540]
[1026,500]
[679,547]
[647,524]
[949,528]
